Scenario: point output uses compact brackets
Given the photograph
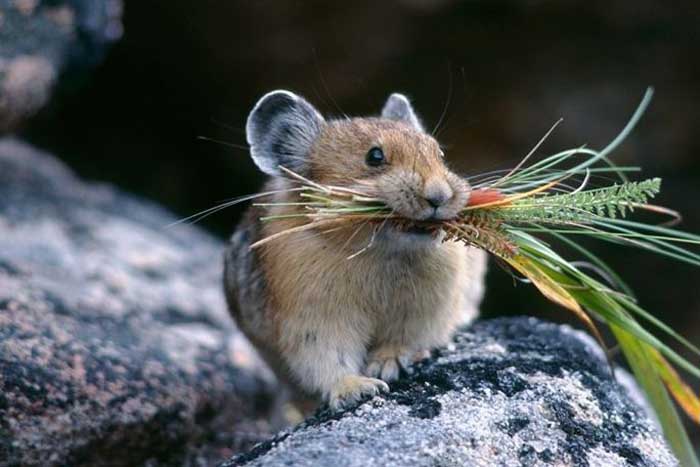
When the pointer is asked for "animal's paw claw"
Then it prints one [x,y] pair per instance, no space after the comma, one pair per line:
[350,389]
[387,363]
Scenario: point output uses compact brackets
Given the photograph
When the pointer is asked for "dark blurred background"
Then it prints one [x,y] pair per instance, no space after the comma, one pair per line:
[187,69]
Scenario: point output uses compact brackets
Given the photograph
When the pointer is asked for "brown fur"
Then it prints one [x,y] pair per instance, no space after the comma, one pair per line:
[335,327]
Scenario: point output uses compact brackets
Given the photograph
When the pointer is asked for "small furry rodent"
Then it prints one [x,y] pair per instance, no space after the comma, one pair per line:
[335,327]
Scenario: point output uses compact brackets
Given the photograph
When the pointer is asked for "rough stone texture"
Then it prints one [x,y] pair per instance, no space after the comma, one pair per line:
[43,39]
[115,344]
[510,392]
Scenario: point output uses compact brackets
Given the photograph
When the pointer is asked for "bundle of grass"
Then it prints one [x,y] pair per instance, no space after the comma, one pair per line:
[509,215]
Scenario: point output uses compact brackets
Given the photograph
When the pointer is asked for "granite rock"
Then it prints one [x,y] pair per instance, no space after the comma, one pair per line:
[115,344]
[509,392]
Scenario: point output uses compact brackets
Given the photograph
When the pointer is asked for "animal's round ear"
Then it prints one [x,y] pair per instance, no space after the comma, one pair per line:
[280,131]
[399,108]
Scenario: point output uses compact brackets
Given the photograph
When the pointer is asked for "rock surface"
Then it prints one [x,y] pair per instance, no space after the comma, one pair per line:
[115,344]
[116,349]
[511,392]
[42,39]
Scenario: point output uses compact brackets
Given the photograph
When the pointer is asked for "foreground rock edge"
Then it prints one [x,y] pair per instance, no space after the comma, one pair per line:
[511,391]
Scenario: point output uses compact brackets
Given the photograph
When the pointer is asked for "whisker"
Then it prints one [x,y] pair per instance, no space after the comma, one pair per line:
[224,143]
[231,128]
[532,151]
[325,86]
[194,218]
[447,101]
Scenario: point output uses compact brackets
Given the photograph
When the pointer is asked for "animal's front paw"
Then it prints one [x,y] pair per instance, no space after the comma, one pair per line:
[350,389]
[421,355]
[386,362]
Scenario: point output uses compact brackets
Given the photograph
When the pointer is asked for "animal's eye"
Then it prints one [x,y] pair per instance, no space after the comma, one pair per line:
[375,157]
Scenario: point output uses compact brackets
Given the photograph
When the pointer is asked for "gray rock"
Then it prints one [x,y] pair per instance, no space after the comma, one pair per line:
[115,344]
[509,392]
[41,40]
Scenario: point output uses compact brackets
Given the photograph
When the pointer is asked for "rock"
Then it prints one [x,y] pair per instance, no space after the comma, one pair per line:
[115,343]
[41,40]
[509,392]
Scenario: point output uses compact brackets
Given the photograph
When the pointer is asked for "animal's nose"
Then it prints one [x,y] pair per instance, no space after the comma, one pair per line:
[437,200]
[437,193]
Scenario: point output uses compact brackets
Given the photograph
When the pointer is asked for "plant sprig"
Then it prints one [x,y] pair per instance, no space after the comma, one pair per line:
[614,201]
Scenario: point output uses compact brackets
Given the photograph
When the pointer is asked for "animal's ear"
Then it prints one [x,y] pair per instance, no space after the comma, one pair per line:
[399,108]
[280,130]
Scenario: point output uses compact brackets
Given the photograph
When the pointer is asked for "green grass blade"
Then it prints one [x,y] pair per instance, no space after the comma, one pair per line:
[641,364]
[641,108]
[594,296]
[538,168]
[593,258]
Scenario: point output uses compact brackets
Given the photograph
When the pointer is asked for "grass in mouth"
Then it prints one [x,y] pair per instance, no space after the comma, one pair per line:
[512,215]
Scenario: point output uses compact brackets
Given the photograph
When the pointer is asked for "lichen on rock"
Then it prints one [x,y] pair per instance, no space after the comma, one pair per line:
[509,392]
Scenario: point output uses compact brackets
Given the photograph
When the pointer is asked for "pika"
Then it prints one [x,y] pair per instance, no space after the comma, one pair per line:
[337,329]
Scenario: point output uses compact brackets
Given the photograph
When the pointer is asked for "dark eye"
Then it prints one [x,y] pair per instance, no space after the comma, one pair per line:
[375,157]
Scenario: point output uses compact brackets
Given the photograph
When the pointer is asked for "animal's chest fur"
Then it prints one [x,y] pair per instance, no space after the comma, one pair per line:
[409,284]
[384,287]
[375,291]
